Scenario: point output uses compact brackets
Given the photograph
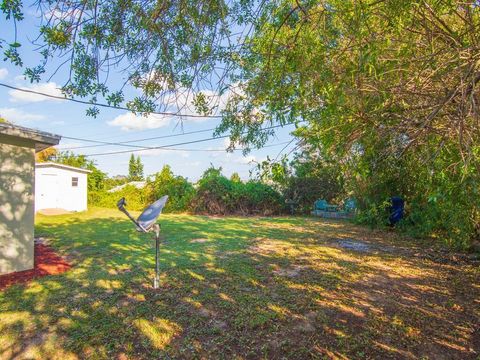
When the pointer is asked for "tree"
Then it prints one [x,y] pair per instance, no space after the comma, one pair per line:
[164,47]
[139,167]
[235,178]
[132,168]
[388,90]
[135,169]
[46,155]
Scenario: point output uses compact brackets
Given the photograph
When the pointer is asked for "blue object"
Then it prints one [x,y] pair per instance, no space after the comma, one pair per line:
[350,205]
[396,209]
[320,204]
[323,205]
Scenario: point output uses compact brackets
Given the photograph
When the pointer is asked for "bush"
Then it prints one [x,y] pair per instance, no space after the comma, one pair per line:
[136,198]
[215,195]
[306,190]
[255,197]
[218,195]
[180,192]
[440,202]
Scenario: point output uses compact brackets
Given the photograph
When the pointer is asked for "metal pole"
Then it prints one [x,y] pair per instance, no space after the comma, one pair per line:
[156,281]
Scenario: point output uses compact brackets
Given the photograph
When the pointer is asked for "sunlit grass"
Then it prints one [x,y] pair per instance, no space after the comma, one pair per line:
[238,287]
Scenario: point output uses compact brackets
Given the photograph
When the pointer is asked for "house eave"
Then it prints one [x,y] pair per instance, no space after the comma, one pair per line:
[41,139]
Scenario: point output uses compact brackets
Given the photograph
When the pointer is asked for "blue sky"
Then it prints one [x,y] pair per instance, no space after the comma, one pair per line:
[69,119]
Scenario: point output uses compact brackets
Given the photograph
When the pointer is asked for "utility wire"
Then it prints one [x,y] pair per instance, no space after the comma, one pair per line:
[125,143]
[100,143]
[220,150]
[128,143]
[106,105]
[164,146]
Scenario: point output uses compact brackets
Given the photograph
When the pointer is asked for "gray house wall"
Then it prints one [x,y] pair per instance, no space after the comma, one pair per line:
[17,167]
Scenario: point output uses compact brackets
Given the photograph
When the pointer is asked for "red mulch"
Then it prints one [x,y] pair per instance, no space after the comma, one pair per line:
[46,261]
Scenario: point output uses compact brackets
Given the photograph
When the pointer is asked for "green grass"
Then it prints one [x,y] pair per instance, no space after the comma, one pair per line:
[239,288]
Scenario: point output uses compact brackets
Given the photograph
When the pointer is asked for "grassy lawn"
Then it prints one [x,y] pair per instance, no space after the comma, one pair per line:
[240,288]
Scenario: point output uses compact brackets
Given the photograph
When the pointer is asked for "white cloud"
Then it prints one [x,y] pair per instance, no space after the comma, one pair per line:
[3,73]
[178,101]
[56,14]
[49,88]
[16,115]
[129,121]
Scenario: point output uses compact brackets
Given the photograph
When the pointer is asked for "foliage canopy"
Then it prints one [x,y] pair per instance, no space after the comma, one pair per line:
[388,91]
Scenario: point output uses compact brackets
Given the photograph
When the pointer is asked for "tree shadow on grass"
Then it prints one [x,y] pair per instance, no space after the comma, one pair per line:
[236,287]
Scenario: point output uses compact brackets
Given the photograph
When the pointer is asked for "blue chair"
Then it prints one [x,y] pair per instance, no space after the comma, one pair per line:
[322,205]
[350,205]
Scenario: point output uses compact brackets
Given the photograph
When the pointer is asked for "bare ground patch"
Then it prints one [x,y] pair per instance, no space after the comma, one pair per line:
[404,302]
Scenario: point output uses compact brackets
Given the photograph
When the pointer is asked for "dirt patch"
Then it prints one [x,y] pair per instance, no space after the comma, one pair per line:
[46,262]
[220,324]
[306,324]
[267,247]
[438,255]
[355,245]
[53,211]
[205,312]
[293,271]
[362,246]
[199,241]
[476,340]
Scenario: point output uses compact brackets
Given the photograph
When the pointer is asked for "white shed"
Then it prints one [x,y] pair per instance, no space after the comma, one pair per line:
[59,186]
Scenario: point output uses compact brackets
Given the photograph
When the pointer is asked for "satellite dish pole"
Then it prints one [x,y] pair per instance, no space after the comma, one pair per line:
[147,222]
[156,229]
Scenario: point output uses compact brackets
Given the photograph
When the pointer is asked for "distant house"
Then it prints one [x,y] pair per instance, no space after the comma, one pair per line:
[59,186]
[18,146]
[137,184]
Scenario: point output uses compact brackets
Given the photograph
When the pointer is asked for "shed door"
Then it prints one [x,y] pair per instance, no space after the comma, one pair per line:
[49,191]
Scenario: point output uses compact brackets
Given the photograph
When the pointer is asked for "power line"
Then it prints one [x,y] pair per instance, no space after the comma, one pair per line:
[219,150]
[106,105]
[128,143]
[125,143]
[168,146]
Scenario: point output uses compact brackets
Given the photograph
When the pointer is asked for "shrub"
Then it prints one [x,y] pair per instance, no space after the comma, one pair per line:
[180,192]
[136,198]
[306,190]
[218,195]
[214,195]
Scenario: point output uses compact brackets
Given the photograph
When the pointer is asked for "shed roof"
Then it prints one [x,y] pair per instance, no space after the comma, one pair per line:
[62,166]
[41,139]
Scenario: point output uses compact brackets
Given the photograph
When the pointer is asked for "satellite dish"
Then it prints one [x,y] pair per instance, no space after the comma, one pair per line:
[150,215]
[147,222]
